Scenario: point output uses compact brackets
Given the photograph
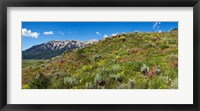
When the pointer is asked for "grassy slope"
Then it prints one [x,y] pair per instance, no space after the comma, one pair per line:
[114,62]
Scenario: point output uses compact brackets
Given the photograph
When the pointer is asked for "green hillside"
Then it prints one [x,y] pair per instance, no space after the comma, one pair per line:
[135,60]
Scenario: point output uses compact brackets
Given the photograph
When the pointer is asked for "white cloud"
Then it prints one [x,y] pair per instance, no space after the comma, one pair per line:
[136,31]
[61,33]
[48,33]
[29,33]
[98,33]
[114,34]
[159,31]
[156,25]
[105,36]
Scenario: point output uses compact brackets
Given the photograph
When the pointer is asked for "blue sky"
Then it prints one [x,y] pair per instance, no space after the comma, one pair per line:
[34,33]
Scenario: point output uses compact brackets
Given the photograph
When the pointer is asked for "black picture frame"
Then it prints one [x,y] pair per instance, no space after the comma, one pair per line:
[99,3]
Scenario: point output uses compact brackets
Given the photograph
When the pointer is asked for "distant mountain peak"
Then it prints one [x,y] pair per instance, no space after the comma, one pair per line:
[53,48]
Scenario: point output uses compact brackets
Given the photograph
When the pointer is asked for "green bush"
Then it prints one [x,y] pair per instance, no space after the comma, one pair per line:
[87,67]
[117,77]
[164,46]
[116,68]
[99,81]
[97,57]
[26,86]
[131,83]
[69,82]
[39,82]
[144,69]
[151,45]
[122,86]
[174,83]
[89,85]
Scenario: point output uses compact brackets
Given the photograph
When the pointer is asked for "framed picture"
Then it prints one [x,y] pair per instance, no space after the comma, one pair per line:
[99,55]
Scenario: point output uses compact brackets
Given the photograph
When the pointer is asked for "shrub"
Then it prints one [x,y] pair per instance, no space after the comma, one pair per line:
[99,80]
[154,39]
[116,68]
[89,85]
[57,83]
[131,83]
[26,86]
[164,46]
[87,67]
[69,82]
[150,45]
[174,83]
[39,82]
[141,83]
[174,60]
[117,57]
[173,41]
[123,86]
[79,53]
[41,62]
[159,82]
[97,57]
[105,71]
[144,69]
[123,38]
[174,57]
[102,63]
[134,50]
[57,80]
[87,60]
[117,77]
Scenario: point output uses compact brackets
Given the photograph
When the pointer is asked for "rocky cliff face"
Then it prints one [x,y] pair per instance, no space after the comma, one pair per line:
[53,48]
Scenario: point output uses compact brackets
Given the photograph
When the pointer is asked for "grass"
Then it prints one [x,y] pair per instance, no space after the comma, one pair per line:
[127,61]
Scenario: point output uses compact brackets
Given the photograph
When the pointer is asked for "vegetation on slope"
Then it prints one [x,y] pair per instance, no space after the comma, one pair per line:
[126,61]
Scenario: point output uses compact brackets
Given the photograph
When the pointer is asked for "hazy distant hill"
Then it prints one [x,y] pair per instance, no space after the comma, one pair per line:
[53,48]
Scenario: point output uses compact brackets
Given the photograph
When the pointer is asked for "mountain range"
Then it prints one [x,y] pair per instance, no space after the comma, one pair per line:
[53,48]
